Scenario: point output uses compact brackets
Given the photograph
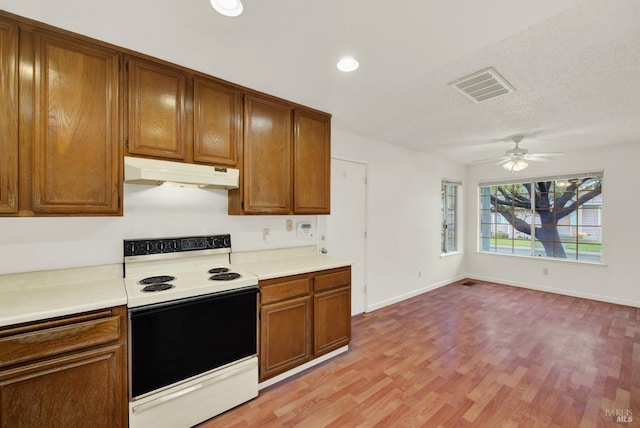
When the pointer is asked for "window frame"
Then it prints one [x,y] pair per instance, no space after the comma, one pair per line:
[445,229]
[580,257]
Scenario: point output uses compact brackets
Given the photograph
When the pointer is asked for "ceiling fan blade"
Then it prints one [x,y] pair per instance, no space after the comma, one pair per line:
[548,154]
[500,158]
[536,158]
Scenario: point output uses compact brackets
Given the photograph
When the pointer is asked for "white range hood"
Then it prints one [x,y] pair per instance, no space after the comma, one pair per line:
[157,172]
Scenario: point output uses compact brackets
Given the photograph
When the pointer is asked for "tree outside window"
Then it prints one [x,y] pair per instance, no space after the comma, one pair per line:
[558,218]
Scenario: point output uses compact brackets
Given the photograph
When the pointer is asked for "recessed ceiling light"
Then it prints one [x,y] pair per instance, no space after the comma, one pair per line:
[228,7]
[348,64]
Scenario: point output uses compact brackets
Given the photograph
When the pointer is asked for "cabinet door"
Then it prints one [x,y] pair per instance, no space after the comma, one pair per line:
[65,372]
[76,156]
[81,390]
[217,120]
[9,117]
[285,336]
[331,320]
[157,115]
[312,162]
[267,157]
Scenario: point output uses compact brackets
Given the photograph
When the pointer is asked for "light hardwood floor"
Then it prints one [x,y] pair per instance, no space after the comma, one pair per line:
[487,355]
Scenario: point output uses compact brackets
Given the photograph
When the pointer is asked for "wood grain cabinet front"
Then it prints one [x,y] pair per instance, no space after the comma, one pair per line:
[9,117]
[76,155]
[311,162]
[286,160]
[285,334]
[65,372]
[156,110]
[217,123]
[331,310]
[286,319]
[181,116]
[267,164]
[303,317]
[80,104]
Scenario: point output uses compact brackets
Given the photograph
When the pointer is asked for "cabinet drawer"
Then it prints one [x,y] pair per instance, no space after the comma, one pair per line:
[285,290]
[332,279]
[57,340]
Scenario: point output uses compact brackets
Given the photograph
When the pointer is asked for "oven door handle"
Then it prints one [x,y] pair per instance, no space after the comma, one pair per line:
[158,401]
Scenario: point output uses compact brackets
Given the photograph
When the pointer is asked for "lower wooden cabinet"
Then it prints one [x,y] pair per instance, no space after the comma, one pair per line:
[67,372]
[302,317]
[286,335]
[331,328]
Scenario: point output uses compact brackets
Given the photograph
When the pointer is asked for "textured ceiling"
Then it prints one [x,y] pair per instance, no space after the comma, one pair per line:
[574,64]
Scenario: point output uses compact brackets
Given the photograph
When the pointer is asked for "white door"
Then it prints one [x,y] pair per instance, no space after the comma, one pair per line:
[343,232]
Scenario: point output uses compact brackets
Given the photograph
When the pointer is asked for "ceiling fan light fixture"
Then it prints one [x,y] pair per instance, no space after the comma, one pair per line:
[515,165]
[228,7]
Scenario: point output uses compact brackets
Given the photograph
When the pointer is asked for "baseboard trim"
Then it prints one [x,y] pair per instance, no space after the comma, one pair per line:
[400,298]
[589,296]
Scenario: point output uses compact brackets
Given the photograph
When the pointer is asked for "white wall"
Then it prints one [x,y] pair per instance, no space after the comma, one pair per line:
[29,244]
[403,216]
[616,279]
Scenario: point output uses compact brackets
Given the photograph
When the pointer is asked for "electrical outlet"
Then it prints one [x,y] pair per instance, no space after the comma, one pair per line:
[289,225]
[545,271]
[419,274]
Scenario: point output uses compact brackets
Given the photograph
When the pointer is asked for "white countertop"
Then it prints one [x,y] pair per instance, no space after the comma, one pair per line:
[267,264]
[33,296]
[293,266]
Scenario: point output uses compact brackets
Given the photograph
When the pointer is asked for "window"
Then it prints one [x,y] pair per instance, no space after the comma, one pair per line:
[449,216]
[558,217]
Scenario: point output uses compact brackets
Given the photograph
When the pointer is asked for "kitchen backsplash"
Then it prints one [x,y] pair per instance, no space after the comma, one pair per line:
[32,244]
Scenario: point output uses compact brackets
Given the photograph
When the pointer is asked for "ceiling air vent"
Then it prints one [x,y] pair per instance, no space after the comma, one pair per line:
[482,85]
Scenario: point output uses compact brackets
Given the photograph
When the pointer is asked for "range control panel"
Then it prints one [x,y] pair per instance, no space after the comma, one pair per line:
[143,247]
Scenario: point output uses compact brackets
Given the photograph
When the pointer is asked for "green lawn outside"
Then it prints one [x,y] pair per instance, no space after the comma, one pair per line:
[527,243]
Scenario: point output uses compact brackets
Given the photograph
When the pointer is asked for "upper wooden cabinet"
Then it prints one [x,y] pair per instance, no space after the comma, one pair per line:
[179,116]
[267,159]
[76,156]
[286,160]
[311,162]
[74,106]
[217,122]
[9,117]
[156,110]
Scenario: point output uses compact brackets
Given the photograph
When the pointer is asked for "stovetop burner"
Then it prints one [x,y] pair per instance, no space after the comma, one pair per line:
[160,270]
[228,276]
[158,286]
[156,279]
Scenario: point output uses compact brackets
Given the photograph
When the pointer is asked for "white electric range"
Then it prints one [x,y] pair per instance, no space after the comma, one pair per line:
[193,330]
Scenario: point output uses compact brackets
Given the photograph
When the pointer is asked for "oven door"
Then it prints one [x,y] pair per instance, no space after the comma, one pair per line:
[174,341]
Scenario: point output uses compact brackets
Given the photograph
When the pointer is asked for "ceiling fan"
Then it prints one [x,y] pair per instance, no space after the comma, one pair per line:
[517,159]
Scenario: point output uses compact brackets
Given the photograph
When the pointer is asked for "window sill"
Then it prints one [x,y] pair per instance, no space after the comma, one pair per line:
[452,253]
[546,259]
